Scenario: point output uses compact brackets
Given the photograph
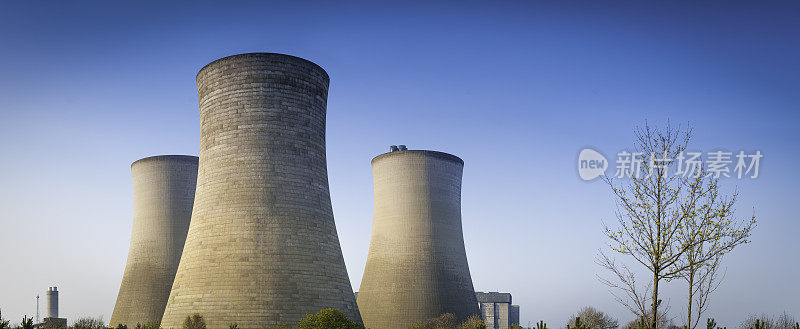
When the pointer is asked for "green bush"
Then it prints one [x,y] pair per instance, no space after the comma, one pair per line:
[27,323]
[329,318]
[194,321]
[149,325]
[712,324]
[474,322]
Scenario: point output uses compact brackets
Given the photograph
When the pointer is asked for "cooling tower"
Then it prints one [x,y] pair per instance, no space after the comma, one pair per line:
[163,193]
[417,266]
[262,247]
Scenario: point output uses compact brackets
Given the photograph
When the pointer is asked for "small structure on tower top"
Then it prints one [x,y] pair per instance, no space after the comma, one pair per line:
[395,148]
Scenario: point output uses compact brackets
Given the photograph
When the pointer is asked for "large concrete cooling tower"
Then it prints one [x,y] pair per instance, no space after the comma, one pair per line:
[163,193]
[262,247]
[417,266]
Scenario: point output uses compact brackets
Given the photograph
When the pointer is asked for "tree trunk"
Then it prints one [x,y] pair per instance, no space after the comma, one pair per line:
[691,297]
[654,311]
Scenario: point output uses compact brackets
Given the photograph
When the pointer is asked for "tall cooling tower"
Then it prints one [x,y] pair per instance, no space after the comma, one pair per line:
[262,247]
[417,266]
[163,193]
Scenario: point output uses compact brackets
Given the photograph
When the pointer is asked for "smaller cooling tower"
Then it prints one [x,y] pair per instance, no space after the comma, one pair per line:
[163,195]
[52,302]
[417,265]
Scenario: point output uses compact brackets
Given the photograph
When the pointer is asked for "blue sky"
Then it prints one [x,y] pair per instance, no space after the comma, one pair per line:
[516,89]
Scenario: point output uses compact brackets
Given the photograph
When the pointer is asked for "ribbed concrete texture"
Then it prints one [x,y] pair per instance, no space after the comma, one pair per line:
[417,266]
[262,247]
[52,302]
[163,193]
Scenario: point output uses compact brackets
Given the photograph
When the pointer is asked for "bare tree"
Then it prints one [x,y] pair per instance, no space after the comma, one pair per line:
[710,232]
[654,206]
[636,297]
[649,212]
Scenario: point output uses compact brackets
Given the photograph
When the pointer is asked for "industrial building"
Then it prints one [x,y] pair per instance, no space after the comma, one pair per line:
[51,320]
[497,310]
[417,266]
[163,195]
[262,246]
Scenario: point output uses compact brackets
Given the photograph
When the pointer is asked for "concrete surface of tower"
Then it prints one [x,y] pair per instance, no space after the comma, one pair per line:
[417,265]
[163,194]
[51,319]
[262,246]
[52,302]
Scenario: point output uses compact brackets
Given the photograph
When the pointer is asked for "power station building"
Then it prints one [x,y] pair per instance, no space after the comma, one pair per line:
[262,246]
[163,194]
[417,266]
[496,309]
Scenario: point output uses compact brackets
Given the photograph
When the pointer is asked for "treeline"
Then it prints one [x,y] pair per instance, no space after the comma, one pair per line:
[585,318]
[591,318]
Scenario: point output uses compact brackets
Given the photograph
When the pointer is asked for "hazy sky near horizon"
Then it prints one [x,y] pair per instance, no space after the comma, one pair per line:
[516,89]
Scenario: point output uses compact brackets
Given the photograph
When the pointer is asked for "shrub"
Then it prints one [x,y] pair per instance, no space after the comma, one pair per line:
[576,324]
[4,324]
[444,321]
[329,318]
[89,323]
[640,323]
[449,321]
[149,325]
[475,322]
[591,318]
[27,323]
[194,321]
[280,326]
[765,321]
[786,321]
[644,322]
